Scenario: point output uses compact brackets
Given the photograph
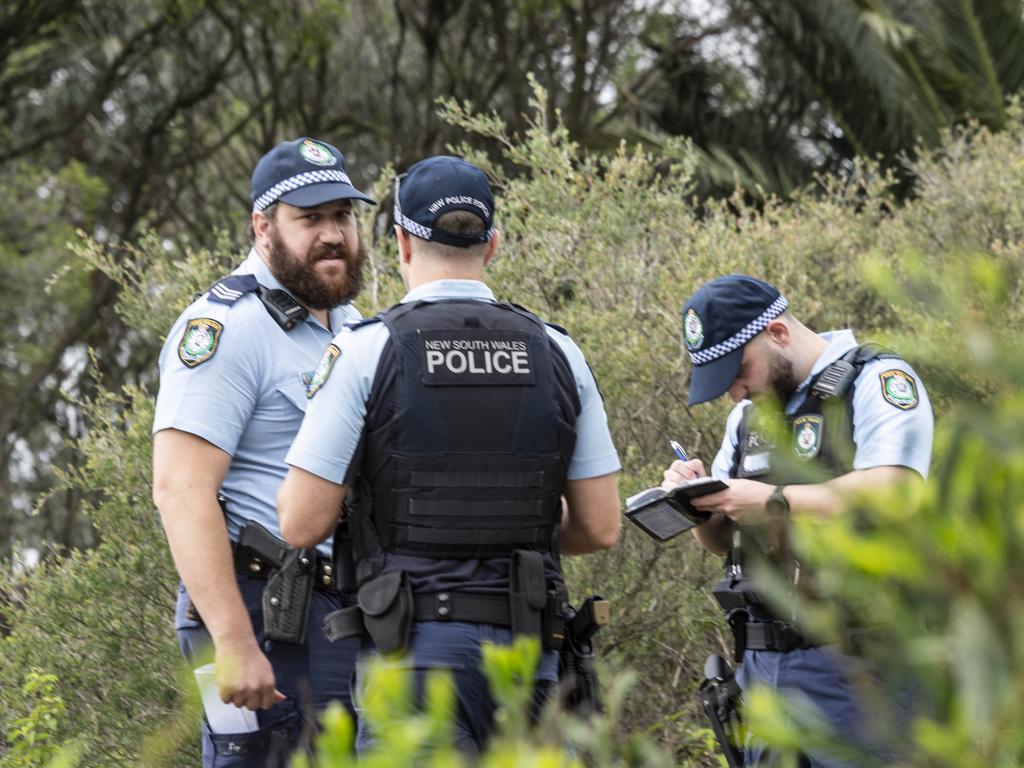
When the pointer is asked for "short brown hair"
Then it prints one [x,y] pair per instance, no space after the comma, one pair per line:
[270,212]
[461,223]
[457,223]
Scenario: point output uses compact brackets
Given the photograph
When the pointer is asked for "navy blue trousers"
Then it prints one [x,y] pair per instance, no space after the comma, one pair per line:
[825,681]
[455,646]
[310,676]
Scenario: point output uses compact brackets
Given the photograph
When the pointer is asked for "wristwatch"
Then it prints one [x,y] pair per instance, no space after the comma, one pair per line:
[776,505]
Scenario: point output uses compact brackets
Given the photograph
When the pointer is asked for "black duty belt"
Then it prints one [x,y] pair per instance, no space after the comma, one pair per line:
[774,636]
[249,563]
[431,606]
[462,606]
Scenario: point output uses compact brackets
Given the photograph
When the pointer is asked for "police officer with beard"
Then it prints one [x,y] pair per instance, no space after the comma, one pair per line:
[477,440]
[859,420]
[234,372]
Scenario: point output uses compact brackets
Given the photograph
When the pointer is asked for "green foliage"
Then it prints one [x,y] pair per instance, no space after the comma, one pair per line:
[101,619]
[31,737]
[898,73]
[405,735]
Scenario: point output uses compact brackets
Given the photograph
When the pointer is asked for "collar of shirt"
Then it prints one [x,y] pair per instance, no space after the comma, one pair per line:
[254,265]
[449,289]
[839,343]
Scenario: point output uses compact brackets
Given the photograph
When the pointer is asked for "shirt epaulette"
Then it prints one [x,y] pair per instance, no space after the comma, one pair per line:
[230,289]
[357,324]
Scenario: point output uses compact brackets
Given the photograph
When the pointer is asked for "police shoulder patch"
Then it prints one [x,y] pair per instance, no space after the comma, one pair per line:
[323,369]
[899,389]
[199,341]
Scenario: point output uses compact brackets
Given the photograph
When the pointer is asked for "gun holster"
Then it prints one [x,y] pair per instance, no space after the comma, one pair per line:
[287,596]
[720,697]
[528,594]
[387,610]
[580,689]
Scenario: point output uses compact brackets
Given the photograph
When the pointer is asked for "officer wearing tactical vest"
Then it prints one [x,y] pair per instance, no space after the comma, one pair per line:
[233,378]
[477,440]
[860,419]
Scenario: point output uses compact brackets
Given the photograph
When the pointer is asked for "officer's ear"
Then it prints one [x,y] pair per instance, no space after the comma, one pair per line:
[492,247]
[778,332]
[260,225]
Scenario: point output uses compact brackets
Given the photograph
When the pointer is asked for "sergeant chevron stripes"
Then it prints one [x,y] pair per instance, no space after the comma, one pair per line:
[230,289]
[226,293]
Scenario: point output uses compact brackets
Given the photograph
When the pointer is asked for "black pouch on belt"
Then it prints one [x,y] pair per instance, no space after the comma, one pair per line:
[528,593]
[287,596]
[386,602]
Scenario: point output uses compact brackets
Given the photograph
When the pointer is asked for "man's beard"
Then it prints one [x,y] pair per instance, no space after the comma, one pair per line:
[298,274]
[781,376]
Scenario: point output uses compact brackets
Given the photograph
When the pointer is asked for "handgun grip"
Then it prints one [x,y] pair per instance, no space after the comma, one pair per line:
[265,544]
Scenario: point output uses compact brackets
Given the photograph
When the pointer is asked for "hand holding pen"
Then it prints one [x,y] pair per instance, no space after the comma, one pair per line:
[683,470]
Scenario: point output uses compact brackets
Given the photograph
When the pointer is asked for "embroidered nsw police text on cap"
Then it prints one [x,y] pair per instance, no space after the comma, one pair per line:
[718,321]
[439,185]
[304,173]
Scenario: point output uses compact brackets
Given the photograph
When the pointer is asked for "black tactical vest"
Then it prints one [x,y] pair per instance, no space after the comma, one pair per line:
[469,433]
[820,444]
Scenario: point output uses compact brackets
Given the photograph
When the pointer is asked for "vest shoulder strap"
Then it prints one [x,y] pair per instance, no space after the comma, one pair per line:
[835,380]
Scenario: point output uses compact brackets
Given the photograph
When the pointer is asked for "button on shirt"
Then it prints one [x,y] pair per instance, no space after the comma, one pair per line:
[249,398]
[885,436]
[328,439]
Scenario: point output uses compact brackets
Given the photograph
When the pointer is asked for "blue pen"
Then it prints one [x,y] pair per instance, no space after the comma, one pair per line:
[679,450]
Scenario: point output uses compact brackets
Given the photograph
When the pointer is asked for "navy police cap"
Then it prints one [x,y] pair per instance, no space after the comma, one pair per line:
[304,173]
[437,185]
[718,321]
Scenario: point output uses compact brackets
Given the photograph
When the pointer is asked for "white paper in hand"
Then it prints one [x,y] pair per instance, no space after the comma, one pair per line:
[221,717]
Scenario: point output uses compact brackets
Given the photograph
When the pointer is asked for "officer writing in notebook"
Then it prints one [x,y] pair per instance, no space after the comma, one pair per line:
[857,418]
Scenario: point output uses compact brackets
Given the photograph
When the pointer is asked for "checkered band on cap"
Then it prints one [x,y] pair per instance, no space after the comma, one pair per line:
[296,182]
[414,227]
[408,224]
[741,337]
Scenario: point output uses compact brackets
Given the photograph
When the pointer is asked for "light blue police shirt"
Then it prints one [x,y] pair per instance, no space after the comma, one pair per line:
[248,399]
[329,436]
[885,435]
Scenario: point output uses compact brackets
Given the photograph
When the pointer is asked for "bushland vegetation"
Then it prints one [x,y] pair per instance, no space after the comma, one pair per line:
[609,245]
